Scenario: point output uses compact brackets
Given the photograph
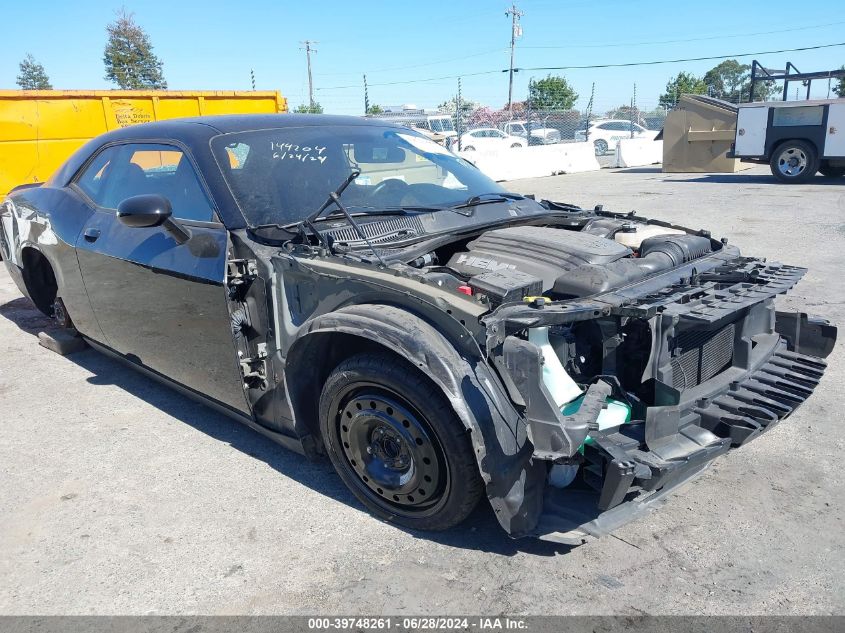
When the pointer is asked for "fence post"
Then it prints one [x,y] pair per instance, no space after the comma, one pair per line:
[366,98]
[589,113]
[633,108]
[459,116]
[528,114]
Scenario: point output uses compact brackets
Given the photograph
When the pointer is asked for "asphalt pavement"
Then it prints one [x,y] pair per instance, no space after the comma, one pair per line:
[120,496]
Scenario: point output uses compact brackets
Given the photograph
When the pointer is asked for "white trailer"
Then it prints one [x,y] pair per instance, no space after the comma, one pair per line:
[796,138]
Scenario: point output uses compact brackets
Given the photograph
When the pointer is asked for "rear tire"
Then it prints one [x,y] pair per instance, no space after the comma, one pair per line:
[601,147]
[469,148]
[397,444]
[794,161]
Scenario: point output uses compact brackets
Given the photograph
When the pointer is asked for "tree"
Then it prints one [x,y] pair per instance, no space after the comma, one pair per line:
[451,106]
[304,108]
[129,58]
[839,88]
[375,109]
[727,79]
[682,84]
[551,93]
[33,76]
[627,113]
[731,81]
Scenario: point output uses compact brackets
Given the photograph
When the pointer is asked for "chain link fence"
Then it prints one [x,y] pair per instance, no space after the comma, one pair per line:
[551,111]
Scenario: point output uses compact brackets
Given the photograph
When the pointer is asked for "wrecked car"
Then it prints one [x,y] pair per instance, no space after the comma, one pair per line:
[351,289]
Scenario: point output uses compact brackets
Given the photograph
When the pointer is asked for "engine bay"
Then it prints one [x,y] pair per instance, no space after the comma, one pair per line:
[560,263]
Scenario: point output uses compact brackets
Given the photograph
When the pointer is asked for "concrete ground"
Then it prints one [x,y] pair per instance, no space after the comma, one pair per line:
[120,496]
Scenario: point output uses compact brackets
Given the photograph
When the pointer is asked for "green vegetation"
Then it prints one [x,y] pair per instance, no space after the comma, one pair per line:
[129,59]
[33,76]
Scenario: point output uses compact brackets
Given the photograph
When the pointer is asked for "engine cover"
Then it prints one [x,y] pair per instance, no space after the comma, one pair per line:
[545,253]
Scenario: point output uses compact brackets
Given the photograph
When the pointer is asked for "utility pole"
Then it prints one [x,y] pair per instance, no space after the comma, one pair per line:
[516,31]
[308,50]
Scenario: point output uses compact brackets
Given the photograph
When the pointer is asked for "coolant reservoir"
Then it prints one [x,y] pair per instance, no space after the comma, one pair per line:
[559,383]
[644,231]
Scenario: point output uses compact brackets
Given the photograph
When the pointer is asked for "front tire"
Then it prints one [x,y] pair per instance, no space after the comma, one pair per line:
[397,444]
[794,161]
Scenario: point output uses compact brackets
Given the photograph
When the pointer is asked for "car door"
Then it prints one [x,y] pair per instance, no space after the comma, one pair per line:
[159,303]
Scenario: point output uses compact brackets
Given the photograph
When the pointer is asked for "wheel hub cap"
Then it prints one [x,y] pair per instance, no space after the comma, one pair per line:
[391,451]
[792,161]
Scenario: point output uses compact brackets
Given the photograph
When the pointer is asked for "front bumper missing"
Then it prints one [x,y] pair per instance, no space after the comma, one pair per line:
[636,477]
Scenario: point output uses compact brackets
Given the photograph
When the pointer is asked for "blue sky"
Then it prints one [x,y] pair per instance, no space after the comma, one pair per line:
[213,45]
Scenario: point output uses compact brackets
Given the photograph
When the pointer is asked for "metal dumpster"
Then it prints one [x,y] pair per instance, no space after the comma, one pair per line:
[698,134]
[39,129]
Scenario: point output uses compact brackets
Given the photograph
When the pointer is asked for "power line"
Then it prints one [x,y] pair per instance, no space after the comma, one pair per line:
[628,64]
[416,81]
[689,59]
[689,39]
[434,63]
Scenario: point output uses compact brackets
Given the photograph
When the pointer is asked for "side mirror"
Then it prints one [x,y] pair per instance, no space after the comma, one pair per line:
[144,211]
[151,209]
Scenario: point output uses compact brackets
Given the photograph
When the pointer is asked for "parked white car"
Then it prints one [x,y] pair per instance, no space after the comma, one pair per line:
[605,132]
[488,138]
[539,135]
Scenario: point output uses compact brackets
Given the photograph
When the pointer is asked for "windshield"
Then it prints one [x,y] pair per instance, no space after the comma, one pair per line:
[282,175]
[441,125]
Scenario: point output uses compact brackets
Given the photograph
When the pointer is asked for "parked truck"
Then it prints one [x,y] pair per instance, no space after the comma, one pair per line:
[796,138]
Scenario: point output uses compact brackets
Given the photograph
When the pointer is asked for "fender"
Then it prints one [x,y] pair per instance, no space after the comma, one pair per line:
[497,431]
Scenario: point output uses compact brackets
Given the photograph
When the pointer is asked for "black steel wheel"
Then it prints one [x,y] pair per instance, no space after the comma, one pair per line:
[397,445]
[601,147]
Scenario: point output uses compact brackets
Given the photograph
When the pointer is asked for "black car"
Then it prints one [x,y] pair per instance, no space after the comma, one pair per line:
[350,288]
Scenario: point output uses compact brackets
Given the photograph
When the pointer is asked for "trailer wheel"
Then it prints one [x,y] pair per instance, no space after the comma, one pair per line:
[832,171]
[794,161]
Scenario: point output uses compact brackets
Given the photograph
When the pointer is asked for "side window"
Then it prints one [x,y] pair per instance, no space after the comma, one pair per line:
[123,171]
[604,126]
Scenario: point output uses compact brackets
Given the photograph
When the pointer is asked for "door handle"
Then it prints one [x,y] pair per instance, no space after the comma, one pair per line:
[91,235]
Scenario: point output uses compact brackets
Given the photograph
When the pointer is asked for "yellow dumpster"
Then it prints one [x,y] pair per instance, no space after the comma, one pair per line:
[39,129]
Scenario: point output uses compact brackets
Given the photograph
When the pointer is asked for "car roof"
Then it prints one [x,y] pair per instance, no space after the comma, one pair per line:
[197,131]
[195,128]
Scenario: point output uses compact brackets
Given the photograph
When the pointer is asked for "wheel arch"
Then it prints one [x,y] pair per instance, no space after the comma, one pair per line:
[40,279]
[329,339]
[777,144]
[497,431]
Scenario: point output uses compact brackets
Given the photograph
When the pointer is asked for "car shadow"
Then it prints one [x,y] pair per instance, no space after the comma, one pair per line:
[480,531]
[636,170]
[755,179]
